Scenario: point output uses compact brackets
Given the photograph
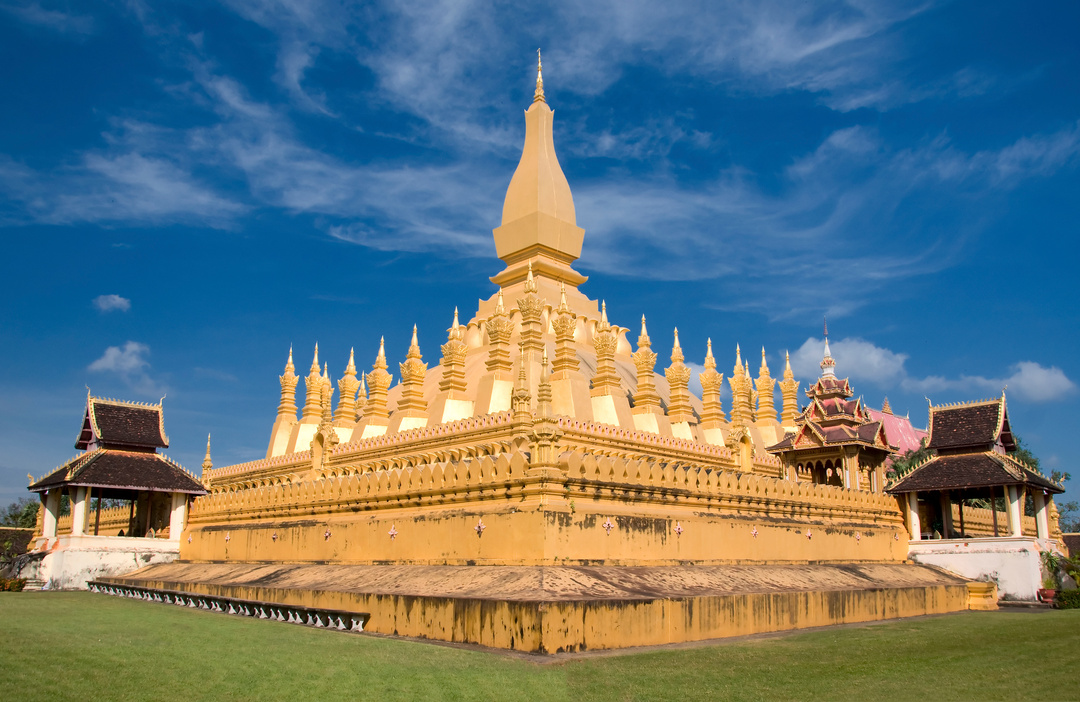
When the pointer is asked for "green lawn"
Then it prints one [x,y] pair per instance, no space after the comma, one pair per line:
[82,646]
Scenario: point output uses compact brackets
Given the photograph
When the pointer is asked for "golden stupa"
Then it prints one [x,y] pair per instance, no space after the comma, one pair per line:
[543,487]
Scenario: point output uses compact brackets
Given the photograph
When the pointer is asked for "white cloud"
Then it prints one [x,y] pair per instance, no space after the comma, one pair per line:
[108,303]
[855,357]
[63,22]
[130,364]
[866,362]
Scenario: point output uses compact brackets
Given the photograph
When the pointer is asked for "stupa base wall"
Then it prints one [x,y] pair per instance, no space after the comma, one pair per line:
[561,609]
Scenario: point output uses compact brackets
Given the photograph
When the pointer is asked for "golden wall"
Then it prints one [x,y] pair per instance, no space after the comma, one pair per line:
[497,510]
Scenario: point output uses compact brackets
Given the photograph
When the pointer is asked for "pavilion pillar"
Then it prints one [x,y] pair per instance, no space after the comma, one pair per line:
[1042,524]
[78,512]
[914,525]
[52,512]
[946,515]
[1014,511]
[178,517]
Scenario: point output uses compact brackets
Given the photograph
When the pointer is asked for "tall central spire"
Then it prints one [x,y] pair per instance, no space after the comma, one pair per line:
[538,96]
[539,224]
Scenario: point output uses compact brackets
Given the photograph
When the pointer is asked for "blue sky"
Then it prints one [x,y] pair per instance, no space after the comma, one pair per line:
[186,189]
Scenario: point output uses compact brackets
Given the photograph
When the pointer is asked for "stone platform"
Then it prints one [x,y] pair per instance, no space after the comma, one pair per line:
[552,609]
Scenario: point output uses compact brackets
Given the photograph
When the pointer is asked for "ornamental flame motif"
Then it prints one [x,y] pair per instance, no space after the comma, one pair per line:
[480,527]
[608,525]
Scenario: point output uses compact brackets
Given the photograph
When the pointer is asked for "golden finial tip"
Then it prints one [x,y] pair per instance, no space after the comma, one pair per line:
[538,94]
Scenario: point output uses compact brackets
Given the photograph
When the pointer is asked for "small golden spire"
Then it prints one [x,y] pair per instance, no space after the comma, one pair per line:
[676,350]
[710,360]
[315,361]
[738,360]
[207,464]
[499,308]
[289,367]
[455,328]
[764,364]
[563,307]
[351,368]
[380,360]
[414,345]
[643,338]
[787,366]
[530,282]
[603,325]
[538,96]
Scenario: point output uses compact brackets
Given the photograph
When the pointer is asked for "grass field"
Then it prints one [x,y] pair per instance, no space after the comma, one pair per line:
[66,646]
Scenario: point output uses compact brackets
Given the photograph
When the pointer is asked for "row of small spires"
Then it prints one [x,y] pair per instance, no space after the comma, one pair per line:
[967,403]
[129,403]
[742,367]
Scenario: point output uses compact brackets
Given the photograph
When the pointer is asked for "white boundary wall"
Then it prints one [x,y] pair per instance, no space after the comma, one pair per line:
[1013,562]
[70,561]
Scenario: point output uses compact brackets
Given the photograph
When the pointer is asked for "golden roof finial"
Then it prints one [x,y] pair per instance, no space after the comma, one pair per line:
[764,363]
[499,308]
[207,464]
[538,96]
[315,361]
[289,367]
[326,371]
[351,368]
[455,328]
[604,325]
[710,361]
[563,307]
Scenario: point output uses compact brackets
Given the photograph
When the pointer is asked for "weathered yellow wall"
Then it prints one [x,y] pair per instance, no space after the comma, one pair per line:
[554,627]
[546,517]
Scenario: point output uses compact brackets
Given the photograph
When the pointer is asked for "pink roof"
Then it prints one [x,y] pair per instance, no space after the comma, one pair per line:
[899,431]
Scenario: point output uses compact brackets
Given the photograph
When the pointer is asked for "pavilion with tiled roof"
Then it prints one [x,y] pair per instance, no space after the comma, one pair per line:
[835,440]
[120,462]
[972,445]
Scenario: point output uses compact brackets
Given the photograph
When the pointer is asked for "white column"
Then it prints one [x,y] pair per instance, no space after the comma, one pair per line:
[52,510]
[78,512]
[1014,511]
[1042,524]
[913,516]
[178,517]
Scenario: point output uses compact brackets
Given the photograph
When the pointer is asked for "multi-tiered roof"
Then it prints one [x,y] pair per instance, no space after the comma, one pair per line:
[120,441]
[973,445]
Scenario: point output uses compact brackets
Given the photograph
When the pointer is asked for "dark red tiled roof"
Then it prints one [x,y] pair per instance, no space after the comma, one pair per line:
[123,424]
[972,470]
[973,426]
[130,470]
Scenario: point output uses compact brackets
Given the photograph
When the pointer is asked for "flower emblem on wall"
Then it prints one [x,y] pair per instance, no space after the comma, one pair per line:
[480,527]
[809,534]
[393,532]
[678,529]
[608,525]
[189,538]
[858,536]
[274,536]
[326,535]
[227,537]
[754,532]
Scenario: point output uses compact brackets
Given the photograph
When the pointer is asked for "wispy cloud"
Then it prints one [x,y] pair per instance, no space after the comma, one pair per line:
[110,303]
[33,13]
[131,365]
[885,369]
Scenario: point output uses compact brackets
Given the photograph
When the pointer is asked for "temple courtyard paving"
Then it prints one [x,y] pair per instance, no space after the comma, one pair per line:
[72,645]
